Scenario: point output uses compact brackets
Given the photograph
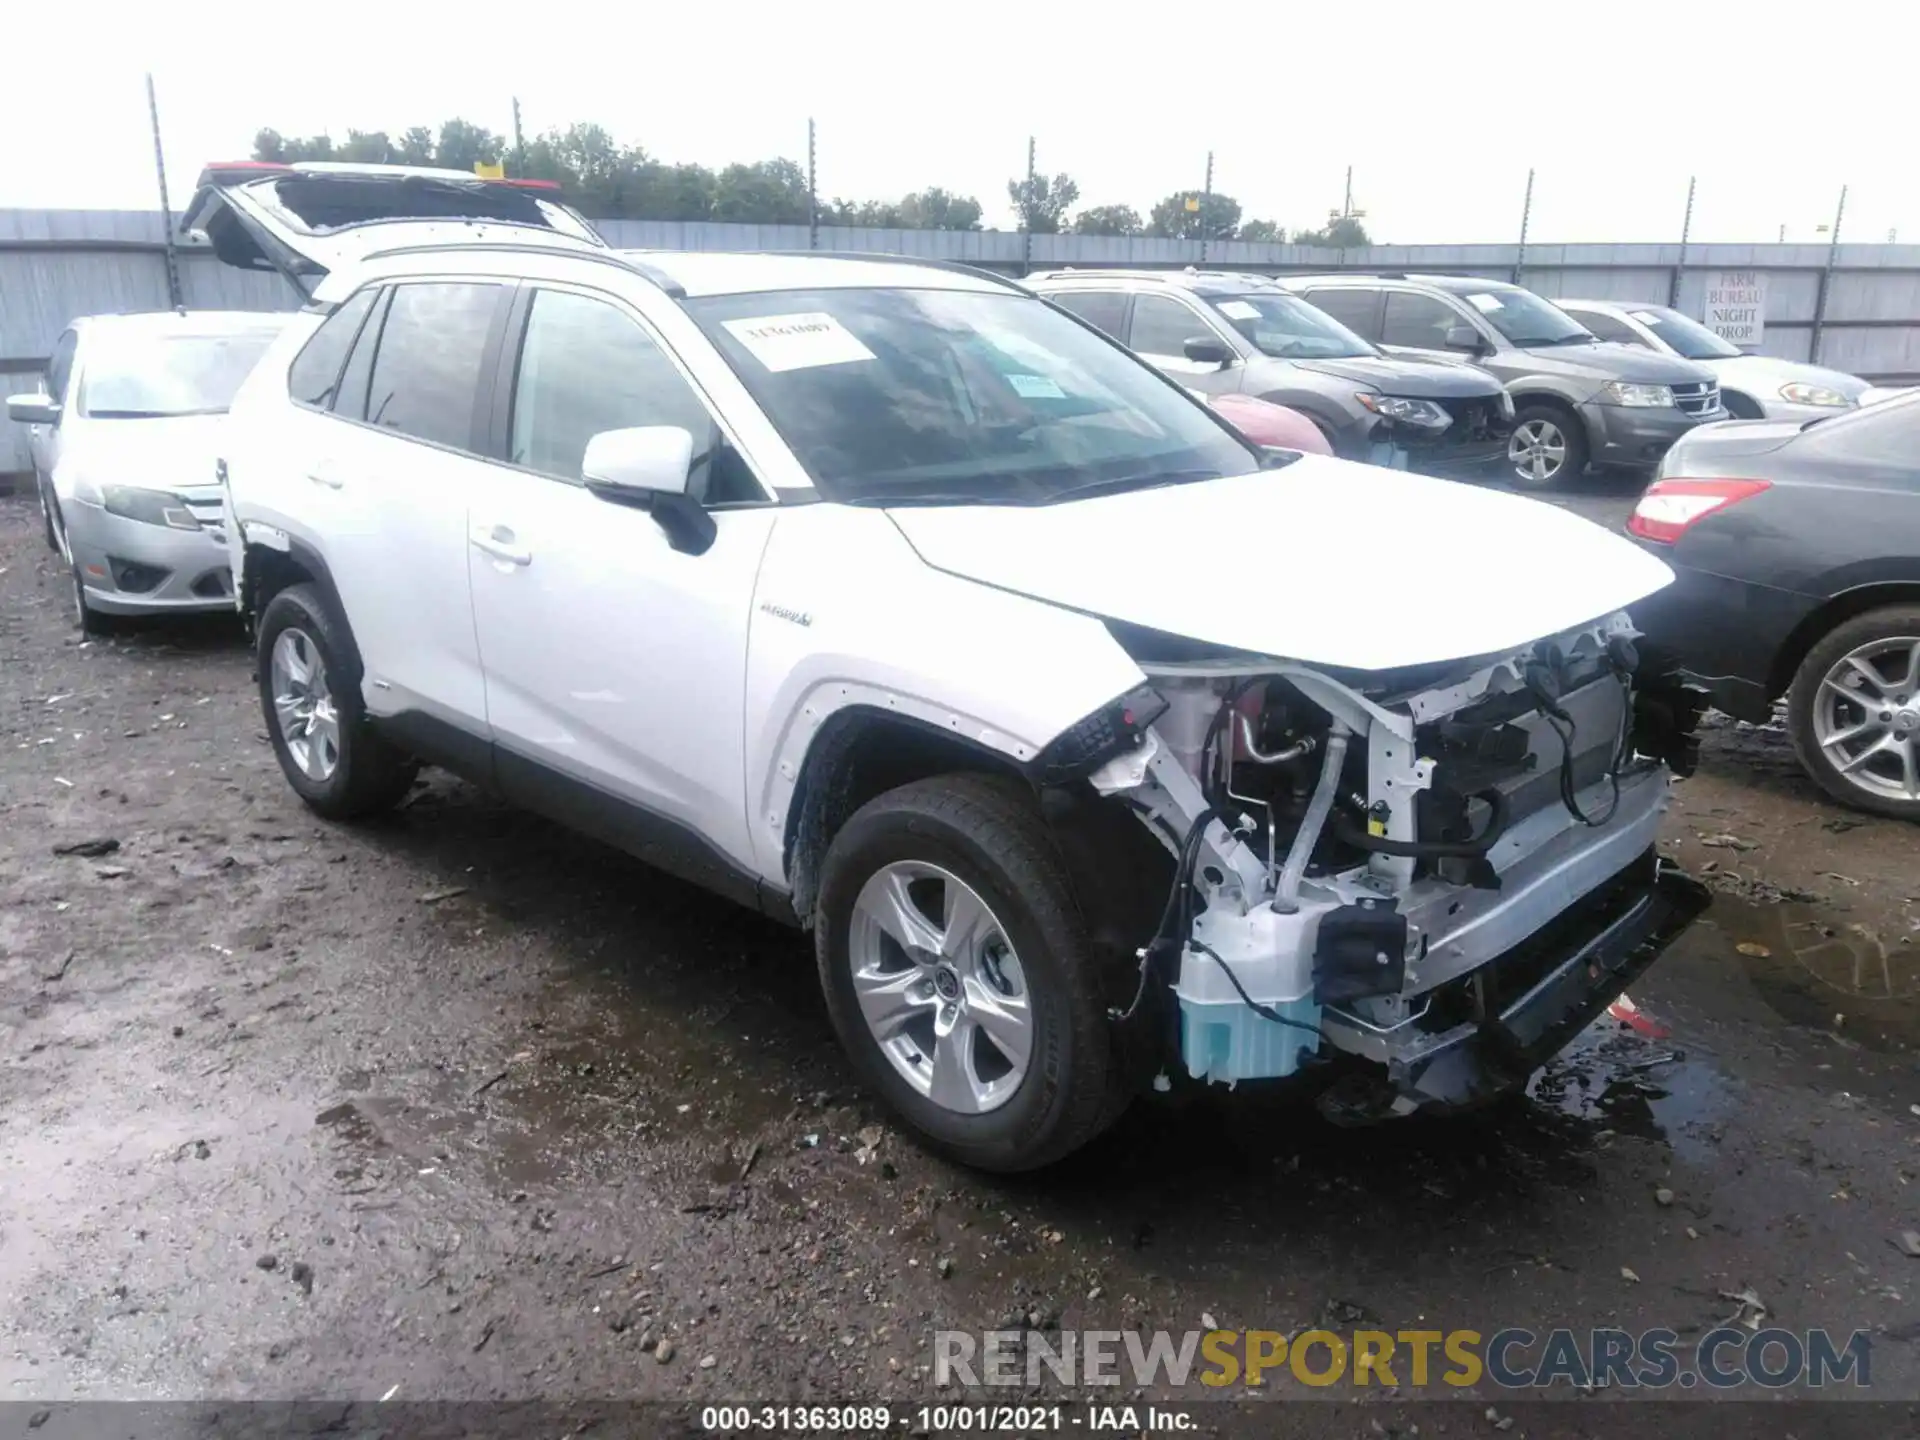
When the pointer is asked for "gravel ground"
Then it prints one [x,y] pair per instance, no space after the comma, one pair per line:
[459,1106]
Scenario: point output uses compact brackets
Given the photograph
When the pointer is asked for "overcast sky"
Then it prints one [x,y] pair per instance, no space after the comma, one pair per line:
[1440,109]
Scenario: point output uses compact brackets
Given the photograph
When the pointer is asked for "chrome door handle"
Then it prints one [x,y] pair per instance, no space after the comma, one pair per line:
[326,478]
[497,541]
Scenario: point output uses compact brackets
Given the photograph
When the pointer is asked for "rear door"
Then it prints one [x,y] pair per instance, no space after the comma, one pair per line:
[306,220]
[385,478]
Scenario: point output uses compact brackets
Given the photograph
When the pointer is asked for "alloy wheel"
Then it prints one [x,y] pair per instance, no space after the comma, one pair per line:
[303,702]
[1537,451]
[1866,717]
[940,987]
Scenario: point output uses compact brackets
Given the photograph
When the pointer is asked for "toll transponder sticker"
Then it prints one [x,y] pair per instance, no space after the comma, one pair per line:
[798,342]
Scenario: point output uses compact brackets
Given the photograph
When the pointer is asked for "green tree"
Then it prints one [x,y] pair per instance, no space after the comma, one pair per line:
[937,209]
[416,146]
[767,192]
[1213,217]
[1107,220]
[1263,230]
[1042,203]
[1342,232]
[367,147]
[464,145]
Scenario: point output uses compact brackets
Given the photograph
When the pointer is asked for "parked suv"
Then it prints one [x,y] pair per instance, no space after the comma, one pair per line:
[1577,401]
[894,602]
[1228,334]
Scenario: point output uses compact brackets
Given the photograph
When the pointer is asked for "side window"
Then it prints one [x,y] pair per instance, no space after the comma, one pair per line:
[350,400]
[1163,327]
[1104,309]
[1418,320]
[1608,328]
[1358,310]
[60,366]
[315,372]
[587,366]
[426,373]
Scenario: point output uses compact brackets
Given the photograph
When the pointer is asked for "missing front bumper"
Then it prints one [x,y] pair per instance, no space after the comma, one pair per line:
[1525,1006]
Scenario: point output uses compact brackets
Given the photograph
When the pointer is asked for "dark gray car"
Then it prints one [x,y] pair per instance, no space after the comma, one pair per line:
[1223,333]
[1577,400]
[1795,548]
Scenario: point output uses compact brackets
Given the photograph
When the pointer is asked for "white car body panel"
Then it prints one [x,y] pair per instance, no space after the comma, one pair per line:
[889,633]
[1370,569]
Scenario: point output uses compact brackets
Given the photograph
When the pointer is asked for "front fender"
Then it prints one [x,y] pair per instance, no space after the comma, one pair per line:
[846,615]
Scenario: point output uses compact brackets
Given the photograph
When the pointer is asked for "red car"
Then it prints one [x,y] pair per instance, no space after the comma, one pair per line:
[1266,423]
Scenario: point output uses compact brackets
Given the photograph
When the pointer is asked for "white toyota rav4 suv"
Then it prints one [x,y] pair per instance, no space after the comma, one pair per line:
[1091,744]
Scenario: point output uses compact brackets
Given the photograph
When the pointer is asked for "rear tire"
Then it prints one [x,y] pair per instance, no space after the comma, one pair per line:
[327,747]
[1862,670]
[934,856]
[1548,448]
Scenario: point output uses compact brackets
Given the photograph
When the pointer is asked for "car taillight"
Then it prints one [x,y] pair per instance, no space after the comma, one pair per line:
[1671,507]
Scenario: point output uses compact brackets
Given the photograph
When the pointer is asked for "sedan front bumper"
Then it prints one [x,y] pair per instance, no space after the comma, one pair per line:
[132,568]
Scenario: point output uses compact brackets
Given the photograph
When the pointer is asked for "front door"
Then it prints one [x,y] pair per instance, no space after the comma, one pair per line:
[612,658]
[1159,332]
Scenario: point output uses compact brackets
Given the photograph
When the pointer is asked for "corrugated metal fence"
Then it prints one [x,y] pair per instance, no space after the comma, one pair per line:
[1863,316]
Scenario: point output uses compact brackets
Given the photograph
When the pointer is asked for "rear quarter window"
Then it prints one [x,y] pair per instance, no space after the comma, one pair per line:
[314,377]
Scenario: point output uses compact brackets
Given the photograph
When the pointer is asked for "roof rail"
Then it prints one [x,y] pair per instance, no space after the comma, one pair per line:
[672,287]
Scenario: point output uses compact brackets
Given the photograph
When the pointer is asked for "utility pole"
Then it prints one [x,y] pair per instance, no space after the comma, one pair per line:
[1026,214]
[175,299]
[1206,209]
[1826,279]
[1526,213]
[1346,206]
[1686,227]
[813,194]
[519,141]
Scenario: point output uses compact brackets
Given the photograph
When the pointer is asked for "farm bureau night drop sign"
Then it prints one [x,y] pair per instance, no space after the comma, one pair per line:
[1737,306]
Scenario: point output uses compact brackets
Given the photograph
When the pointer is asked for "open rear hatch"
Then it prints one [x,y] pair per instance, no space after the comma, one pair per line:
[307,219]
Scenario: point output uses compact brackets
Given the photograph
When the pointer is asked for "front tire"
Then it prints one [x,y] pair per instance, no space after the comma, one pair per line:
[1854,712]
[959,975]
[1548,448]
[327,748]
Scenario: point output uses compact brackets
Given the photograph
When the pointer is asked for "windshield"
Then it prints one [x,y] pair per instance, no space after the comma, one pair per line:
[1525,319]
[1688,338]
[153,376]
[954,396]
[1288,327]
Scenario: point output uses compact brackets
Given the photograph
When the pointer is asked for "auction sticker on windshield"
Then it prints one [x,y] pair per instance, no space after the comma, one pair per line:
[798,342]
[1036,387]
[1486,304]
[1238,310]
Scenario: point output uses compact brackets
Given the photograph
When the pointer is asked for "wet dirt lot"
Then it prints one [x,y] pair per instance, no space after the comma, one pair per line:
[460,1106]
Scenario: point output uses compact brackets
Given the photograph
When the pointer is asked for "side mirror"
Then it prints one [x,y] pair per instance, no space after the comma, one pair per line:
[646,468]
[1464,337]
[33,410]
[1208,350]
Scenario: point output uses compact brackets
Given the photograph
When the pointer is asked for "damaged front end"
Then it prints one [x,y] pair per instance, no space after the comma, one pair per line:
[1445,872]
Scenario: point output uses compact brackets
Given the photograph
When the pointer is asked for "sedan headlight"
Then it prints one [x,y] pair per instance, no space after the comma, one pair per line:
[1801,394]
[1423,413]
[1621,392]
[150,507]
